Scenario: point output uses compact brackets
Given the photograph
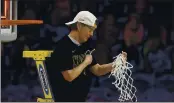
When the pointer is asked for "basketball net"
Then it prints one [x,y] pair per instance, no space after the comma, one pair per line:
[123,80]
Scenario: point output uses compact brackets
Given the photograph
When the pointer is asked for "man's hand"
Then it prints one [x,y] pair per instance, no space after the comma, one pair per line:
[124,54]
[100,70]
[88,59]
[72,74]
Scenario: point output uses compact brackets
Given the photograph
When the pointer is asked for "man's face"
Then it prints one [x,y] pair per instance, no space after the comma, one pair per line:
[85,32]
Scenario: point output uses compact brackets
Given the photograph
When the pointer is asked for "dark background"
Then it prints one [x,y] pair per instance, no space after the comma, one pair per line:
[2,7]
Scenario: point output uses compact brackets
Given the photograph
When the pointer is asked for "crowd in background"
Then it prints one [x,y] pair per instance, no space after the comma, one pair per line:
[143,29]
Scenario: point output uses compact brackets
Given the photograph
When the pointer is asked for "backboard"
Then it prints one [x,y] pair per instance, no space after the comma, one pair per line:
[8,12]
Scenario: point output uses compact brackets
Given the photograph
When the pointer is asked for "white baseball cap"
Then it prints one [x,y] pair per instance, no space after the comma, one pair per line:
[84,17]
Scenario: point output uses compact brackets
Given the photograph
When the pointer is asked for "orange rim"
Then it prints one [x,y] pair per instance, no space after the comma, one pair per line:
[20,22]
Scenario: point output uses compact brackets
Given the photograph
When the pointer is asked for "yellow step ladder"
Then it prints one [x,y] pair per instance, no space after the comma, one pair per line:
[39,57]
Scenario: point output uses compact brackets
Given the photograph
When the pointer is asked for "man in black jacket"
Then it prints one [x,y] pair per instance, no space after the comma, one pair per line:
[71,66]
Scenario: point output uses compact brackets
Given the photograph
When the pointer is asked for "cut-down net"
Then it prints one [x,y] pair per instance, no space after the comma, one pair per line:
[123,80]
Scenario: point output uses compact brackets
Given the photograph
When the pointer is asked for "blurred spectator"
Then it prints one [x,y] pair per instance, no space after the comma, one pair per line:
[133,37]
[158,60]
[29,14]
[19,45]
[145,10]
[106,37]
[64,7]
[53,32]
[20,65]
[140,6]
[134,31]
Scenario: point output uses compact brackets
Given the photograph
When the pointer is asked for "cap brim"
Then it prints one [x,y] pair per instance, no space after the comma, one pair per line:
[71,22]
